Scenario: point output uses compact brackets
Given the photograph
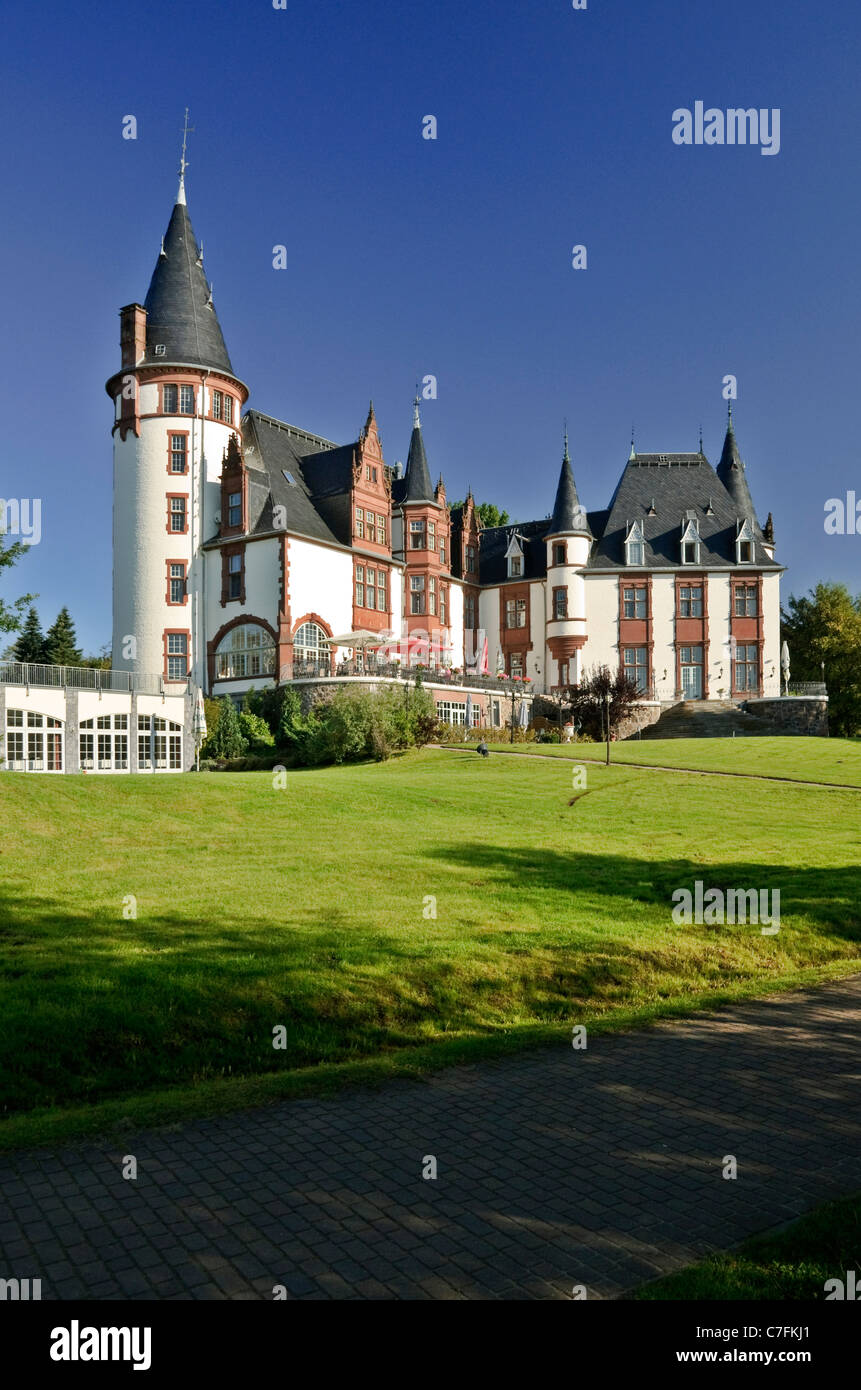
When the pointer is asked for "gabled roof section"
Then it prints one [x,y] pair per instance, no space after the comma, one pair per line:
[181,317]
[659,490]
[272,449]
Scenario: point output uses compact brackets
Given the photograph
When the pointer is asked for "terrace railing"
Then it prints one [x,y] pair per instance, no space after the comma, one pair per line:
[78,678]
[371,669]
[807,688]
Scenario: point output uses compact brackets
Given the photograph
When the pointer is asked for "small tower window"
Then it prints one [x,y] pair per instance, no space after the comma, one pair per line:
[559,553]
[228,410]
[234,509]
[169,399]
[186,400]
[217,405]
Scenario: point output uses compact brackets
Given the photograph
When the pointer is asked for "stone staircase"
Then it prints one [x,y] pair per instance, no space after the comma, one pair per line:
[709,719]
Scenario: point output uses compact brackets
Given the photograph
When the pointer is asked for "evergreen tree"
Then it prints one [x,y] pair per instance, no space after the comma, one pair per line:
[60,641]
[227,740]
[31,644]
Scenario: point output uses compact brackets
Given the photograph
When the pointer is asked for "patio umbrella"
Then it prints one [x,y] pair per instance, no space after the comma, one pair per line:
[500,661]
[468,714]
[523,715]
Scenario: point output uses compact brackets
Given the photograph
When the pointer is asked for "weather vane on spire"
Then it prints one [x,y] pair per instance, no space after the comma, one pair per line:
[417,420]
[183,163]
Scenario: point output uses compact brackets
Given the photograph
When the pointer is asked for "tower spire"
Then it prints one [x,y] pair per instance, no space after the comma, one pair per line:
[417,420]
[565,454]
[183,163]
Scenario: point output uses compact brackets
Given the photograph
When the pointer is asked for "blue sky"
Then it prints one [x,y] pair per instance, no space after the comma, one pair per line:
[452,257]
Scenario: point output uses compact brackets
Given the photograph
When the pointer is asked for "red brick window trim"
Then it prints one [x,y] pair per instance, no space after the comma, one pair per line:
[177,452]
[177,513]
[177,583]
[634,595]
[177,644]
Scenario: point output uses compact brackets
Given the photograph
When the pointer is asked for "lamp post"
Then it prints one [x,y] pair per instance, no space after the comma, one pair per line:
[512,714]
[607,699]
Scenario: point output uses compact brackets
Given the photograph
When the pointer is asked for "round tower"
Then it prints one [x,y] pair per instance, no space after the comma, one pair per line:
[568,542]
[176,404]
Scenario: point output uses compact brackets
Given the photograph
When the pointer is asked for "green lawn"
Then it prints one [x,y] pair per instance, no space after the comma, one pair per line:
[833,760]
[304,907]
[794,1263]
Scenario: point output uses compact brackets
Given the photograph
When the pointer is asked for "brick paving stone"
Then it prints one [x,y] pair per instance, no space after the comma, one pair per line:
[602,1168]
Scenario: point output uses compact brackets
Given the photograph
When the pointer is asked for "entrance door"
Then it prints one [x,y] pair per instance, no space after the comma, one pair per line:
[691,661]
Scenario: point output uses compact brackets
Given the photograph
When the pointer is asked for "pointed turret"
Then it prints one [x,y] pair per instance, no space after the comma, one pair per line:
[419,487]
[568,515]
[731,472]
[181,318]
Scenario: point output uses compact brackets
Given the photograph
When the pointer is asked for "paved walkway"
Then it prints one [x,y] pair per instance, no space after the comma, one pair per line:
[555,1168]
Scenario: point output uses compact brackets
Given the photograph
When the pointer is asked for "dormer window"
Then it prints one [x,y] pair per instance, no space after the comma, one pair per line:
[744,543]
[635,546]
[690,542]
[514,557]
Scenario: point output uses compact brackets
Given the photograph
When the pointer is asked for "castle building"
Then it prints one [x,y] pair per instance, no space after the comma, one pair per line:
[249,551]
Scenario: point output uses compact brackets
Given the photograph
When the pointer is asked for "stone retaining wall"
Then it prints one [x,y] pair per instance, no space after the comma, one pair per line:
[802,714]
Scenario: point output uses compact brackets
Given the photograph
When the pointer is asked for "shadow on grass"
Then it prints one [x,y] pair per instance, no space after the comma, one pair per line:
[97,1008]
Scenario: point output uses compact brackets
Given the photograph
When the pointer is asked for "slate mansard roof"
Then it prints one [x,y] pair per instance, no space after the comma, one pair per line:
[180,315]
[661,492]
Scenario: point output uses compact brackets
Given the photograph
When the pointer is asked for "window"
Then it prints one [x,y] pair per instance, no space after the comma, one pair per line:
[432,592]
[442,551]
[469,610]
[417,535]
[177,656]
[175,745]
[634,602]
[234,509]
[369,588]
[454,712]
[14,718]
[360,586]
[635,547]
[176,582]
[309,644]
[177,514]
[85,745]
[14,740]
[360,522]
[217,405]
[515,612]
[381,530]
[234,576]
[247,650]
[186,400]
[431,535]
[169,399]
[179,453]
[560,603]
[746,601]
[690,601]
[144,746]
[381,591]
[442,593]
[745,552]
[636,666]
[559,554]
[691,656]
[54,741]
[690,542]
[228,410]
[746,666]
[515,567]
[515,664]
[470,559]
[417,594]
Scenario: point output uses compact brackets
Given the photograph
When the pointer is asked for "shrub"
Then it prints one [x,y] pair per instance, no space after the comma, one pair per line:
[226,739]
[255,731]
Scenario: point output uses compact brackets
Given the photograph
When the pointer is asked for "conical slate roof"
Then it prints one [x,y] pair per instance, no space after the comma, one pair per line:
[731,472]
[179,315]
[418,481]
[567,513]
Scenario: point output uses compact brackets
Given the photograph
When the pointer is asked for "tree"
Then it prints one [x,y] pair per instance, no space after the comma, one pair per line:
[826,626]
[60,641]
[226,741]
[589,700]
[10,615]
[31,646]
[488,512]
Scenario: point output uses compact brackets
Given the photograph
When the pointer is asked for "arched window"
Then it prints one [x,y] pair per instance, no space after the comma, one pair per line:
[310,644]
[247,650]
